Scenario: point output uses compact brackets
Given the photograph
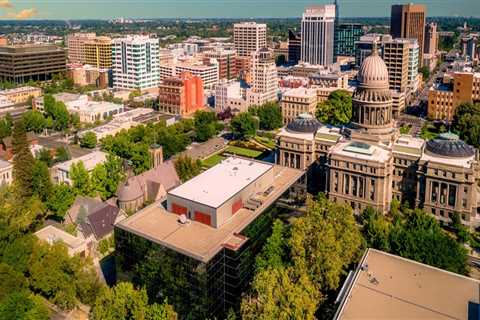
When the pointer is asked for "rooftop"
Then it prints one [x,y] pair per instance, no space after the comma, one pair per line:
[232,174]
[52,234]
[360,151]
[196,239]
[89,160]
[5,164]
[301,93]
[391,287]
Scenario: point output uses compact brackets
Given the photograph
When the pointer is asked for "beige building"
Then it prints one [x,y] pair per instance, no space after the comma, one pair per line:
[6,173]
[98,52]
[264,78]
[395,55]
[74,245]
[298,101]
[369,163]
[21,94]
[431,39]
[249,37]
[76,46]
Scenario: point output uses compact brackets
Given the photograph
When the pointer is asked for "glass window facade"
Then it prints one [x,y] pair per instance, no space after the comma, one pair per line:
[345,37]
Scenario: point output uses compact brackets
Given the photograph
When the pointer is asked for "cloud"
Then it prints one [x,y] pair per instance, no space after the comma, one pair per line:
[23,14]
[5,4]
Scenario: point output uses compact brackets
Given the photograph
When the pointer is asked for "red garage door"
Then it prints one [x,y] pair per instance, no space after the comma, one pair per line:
[203,218]
[178,209]
[237,205]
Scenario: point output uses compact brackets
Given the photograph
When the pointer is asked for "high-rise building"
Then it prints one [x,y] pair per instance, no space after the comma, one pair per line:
[135,62]
[318,26]
[227,62]
[264,78]
[98,52]
[395,55]
[413,63]
[249,37]
[181,95]
[431,39]
[21,63]
[294,47]
[76,46]
[363,47]
[346,34]
[408,21]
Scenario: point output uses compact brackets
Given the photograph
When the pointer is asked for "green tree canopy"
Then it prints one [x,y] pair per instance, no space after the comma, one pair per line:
[244,125]
[187,168]
[89,140]
[23,306]
[270,116]
[62,154]
[337,110]
[467,122]
[34,121]
[205,125]
[41,184]
[23,160]
[275,250]
[60,200]
[82,185]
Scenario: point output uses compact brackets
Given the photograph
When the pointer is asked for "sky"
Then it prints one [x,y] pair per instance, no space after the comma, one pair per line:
[105,9]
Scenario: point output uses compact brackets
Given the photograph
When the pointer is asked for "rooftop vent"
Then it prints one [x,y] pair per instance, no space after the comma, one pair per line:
[183,219]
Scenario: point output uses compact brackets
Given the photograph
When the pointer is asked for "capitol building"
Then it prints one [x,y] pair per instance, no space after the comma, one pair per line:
[369,163]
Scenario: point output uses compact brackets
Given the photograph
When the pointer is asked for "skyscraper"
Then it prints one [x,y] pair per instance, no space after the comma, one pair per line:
[408,21]
[135,62]
[346,34]
[395,55]
[249,37]
[431,39]
[318,24]
[294,47]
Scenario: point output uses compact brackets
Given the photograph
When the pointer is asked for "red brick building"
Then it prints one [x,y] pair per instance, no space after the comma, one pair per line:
[181,95]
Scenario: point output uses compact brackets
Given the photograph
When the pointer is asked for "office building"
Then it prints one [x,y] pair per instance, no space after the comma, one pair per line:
[135,62]
[264,87]
[205,237]
[226,60]
[408,21]
[207,72]
[181,95]
[229,95]
[363,47]
[413,65]
[370,163]
[296,102]
[469,45]
[76,46]
[346,34]
[444,98]
[21,94]
[87,75]
[431,39]
[21,63]
[318,24]
[249,37]
[294,47]
[98,52]
[396,57]
[405,289]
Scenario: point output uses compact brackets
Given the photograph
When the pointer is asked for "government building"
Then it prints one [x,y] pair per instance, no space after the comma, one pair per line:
[368,163]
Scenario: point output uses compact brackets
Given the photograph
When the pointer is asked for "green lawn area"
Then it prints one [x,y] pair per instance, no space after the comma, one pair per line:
[243,152]
[405,129]
[429,132]
[267,142]
[212,160]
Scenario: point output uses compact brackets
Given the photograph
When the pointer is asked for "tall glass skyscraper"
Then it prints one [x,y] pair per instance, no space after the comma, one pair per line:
[346,34]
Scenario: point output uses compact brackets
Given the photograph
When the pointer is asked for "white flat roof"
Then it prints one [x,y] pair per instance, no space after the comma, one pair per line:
[89,161]
[52,234]
[221,182]
[354,149]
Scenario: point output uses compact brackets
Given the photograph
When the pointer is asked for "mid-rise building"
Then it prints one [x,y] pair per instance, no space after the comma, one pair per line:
[181,95]
[21,63]
[431,39]
[413,65]
[135,62]
[346,35]
[83,75]
[6,173]
[294,47]
[249,37]
[229,94]
[206,235]
[363,47]
[226,60]
[21,94]
[328,79]
[264,78]
[98,52]
[396,57]
[209,73]
[318,25]
[408,21]
[76,46]
[469,46]
[444,98]
[61,171]
[296,102]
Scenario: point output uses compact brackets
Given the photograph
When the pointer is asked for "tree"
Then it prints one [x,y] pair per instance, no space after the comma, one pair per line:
[41,184]
[187,168]
[22,161]
[80,177]
[467,122]
[124,302]
[11,280]
[62,154]
[337,110]
[23,306]
[425,71]
[89,140]
[325,255]
[205,123]
[274,251]
[281,293]
[34,121]
[45,156]
[375,229]
[244,125]
[270,116]
[60,200]
[5,128]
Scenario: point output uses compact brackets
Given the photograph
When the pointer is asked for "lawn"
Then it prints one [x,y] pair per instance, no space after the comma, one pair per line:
[212,160]
[267,142]
[243,152]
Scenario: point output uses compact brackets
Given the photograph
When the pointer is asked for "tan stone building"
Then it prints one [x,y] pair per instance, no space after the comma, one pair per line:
[21,94]
[395,55]
[76,46]
[298,101]
[369,163]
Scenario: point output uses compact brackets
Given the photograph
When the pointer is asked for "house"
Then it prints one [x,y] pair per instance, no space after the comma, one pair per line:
[100,221]
[75,245]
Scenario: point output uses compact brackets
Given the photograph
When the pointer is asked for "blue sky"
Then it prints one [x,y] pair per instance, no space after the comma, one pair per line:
[104,9]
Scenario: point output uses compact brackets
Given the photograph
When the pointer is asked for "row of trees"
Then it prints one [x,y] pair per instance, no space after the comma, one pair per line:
[467,123]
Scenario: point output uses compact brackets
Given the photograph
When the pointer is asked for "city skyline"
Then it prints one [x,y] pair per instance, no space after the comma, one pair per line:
[149,9]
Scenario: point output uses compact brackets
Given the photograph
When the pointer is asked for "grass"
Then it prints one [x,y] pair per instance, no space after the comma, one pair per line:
[243,152]
[267,142]
[428,132]
[405,129]
[212,160]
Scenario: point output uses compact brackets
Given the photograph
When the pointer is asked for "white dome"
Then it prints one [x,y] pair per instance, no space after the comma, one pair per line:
[373,72]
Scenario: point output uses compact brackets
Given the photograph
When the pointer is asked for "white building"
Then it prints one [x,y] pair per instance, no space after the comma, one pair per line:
[229,94]
[135,62]
[71,100]
[264,78]
[208,73]
[6,173]
[413,63]
[318,23]
[249,37]
[61,171]
[74,245]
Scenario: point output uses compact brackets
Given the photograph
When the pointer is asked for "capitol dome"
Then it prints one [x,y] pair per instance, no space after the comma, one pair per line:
[449,145]
[373,72]
[304,123]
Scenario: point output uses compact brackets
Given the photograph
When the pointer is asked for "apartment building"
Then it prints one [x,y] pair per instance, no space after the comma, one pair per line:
[249,37]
